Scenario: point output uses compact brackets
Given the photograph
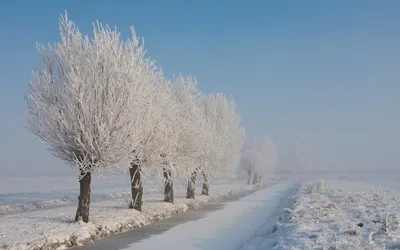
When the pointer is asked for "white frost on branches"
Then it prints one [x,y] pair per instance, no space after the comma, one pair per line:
[156,127]
[86,98]
[174,130]
[225,137]
[101,104]
[190,128]
[260,156]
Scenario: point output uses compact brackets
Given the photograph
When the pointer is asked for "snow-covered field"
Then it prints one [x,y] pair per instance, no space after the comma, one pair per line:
[341,213]
[20,194]
[49,225]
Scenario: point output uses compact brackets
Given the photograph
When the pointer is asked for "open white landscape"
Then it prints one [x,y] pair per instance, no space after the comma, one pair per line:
[200,125]
[291,211]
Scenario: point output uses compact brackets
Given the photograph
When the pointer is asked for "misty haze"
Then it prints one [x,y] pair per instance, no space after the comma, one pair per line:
[200,125]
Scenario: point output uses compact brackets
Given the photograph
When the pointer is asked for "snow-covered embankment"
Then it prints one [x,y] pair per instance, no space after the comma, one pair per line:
[335,215]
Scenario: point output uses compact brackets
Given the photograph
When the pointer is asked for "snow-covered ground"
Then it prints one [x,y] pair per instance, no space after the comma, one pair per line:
[51,226]
[342,213]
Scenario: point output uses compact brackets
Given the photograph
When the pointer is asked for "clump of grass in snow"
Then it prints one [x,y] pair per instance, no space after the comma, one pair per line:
[318,188]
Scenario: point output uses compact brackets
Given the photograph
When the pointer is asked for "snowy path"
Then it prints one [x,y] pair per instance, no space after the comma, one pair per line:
[225,227]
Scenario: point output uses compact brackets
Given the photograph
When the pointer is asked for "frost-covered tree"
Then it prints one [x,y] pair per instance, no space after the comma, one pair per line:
[86,98]
[248,159]
[259,157]
[229,136]
[204,144]
[188,132]
[158,130]
[223,141]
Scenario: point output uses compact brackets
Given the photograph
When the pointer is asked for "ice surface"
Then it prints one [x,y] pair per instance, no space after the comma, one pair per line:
[227,228]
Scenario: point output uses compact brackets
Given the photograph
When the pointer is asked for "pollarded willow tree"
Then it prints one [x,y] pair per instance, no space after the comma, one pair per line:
[259,157]
[229,138]
[189,134]
[223,141]
[247,161]
[232,133]
[158,136]
[85,99]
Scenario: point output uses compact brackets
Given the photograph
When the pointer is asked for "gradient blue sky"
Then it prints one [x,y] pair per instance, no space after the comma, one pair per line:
[325,70]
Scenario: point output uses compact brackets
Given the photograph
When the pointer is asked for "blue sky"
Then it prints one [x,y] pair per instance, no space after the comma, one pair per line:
[327,71]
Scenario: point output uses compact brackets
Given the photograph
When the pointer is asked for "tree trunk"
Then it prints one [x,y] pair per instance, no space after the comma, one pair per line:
[259,178]
[84,197]
[191,186]
[136,187]
[250,176]
[168,187]
[255,178]
[206,185]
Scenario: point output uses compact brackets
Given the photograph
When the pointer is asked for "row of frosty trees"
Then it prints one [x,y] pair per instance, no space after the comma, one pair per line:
[102,105]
